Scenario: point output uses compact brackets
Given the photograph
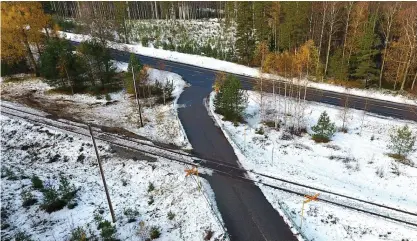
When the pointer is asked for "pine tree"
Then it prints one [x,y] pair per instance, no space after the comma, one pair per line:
[293,30]
[230,101]
[137,68]
[245,42]
[365,59]
[60,66]
[402,141]
[338,67]
[324,129]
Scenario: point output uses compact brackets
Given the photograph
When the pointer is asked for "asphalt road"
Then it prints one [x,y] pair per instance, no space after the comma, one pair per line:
[245,210]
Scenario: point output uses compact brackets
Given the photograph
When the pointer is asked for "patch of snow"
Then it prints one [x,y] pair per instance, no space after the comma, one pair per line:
[29,149]
[347,165]
[161,121]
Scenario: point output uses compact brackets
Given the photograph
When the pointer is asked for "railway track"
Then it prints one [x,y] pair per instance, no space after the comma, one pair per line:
[220,167]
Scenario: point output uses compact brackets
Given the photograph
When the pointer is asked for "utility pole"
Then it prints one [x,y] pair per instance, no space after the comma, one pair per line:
[137,99]
[102,176]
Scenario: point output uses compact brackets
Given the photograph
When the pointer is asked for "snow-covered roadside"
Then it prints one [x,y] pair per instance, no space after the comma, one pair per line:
[161,121]
[220,65]
[29,149]
[349,164]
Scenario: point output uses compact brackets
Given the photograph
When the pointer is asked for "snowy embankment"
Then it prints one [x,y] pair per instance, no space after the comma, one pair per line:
[353,163]
[161,122]
[220,65]
[178,208]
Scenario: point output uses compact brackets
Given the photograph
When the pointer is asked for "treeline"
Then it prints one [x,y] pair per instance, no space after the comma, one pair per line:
[354,43]
[370,42]
[142,10]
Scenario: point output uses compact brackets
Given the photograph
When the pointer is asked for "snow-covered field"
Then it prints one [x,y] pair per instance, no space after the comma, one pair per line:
[221,65]
[161,121]
[353,163]
[29,149]
[196,33]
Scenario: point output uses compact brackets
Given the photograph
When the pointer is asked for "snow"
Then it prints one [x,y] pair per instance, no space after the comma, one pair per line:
[221,65]
[161,121]
[28,149]
[347,165]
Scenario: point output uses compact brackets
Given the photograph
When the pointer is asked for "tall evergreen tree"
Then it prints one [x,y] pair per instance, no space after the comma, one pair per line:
[293,30]
[245,42]
[261,12]
[338,67]
[365,67]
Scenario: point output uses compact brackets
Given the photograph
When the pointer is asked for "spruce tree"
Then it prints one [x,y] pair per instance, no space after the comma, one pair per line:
[245,42]
[402,141]
[324,129]
[230,100]
[338,67]
[365,67]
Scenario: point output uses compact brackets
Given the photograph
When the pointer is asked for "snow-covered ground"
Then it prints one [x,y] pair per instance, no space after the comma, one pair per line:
[220,65]
[196,33]
[161,121]
[353,163]
[29,149]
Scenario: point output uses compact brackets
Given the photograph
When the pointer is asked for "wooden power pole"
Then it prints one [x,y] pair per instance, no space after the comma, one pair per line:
[102,176]
[137,99]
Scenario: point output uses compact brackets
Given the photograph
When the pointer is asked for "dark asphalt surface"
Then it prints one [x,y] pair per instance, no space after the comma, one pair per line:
[246,212]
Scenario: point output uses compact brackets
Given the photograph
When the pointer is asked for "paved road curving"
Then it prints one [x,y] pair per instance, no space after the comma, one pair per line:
[246,212]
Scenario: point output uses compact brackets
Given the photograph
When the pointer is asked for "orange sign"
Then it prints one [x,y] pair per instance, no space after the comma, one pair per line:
[192,171]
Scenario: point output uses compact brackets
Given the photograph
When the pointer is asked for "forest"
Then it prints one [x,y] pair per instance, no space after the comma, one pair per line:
[356,44]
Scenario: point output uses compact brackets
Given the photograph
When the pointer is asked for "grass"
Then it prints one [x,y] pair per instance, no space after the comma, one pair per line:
[319,139]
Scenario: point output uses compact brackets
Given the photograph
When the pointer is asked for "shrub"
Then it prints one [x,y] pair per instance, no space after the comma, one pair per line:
[107,230]
[22,236]
[230,101]
[108,97]
[402,141]
[324,129]
[131,214]
[151,187]
[171,215]
[78,234]
[57,199]
[36,182]
[7,172]
[260,131]
[28,198]
[145,41]
[154,233]
[51,200]
[150,201]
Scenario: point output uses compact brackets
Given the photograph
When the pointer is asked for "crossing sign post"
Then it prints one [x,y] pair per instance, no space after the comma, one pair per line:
[308,199]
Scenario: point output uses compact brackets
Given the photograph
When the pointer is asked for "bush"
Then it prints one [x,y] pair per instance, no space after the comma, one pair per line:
[260,131]
[22,236]
[145,41]
[150,201]
[28,198]
[402,141]
[7,172]
[108,97]
[151,187]
[107,230]
[171,215]
[324,129]
[55,200]
[230,101]
[78,234]
[154,233]
[131,214]
[37,182]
